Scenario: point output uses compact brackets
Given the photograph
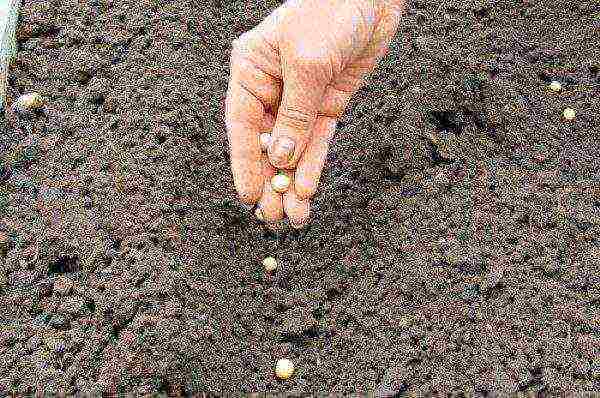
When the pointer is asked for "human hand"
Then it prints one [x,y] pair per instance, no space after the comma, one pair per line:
[294,74]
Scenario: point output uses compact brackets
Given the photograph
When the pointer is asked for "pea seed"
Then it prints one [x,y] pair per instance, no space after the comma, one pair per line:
[555,86]
[569,114]
[258,213]
[270,264]
[284,369]
[280,183]
[29,102]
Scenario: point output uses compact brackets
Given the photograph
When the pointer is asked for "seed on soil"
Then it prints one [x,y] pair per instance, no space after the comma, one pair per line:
[555,86]
[569,114]
[270,264]
[280,183]
[29,102]
[265,141]
[284,369]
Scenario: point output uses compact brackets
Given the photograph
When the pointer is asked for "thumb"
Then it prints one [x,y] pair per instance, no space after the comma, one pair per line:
[303,89]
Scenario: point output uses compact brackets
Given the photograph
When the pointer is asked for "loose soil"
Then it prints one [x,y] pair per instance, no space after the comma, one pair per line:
[453,244]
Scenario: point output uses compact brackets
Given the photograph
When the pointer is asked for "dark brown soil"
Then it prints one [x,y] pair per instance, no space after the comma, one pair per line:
[454,242]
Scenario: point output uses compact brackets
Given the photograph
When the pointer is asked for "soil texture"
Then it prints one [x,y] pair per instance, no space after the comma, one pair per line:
[453,246]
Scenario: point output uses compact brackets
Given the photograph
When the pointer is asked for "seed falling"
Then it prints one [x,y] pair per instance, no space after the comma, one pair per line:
[29,102]
[265,141]
[280,182]
[555,86]
[259,213]
[284,369]
[270,264]
[569,114]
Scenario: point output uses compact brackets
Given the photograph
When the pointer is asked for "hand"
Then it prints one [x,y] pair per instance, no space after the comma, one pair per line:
[294,74]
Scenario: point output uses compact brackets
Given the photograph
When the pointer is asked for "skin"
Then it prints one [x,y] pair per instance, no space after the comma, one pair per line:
[293,75]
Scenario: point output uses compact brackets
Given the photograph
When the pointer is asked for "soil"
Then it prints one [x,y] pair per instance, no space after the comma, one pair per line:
[453,245]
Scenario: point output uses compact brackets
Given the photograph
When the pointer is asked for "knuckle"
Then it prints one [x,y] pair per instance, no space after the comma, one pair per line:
[296,118]
[311,56]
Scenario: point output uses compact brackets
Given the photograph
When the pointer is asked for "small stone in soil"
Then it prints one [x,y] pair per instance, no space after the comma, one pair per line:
[258,213]
[72,305]
[58,321]
[55,344]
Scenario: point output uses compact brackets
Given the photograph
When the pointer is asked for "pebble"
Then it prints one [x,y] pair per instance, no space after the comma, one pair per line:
[58,321]
[22,278]
[72,305]
[258,213]
[33,343]
[8,337]
[55,344]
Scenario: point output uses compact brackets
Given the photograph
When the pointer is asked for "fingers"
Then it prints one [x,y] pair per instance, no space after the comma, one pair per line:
[297,209]
[268,123]
[251,90]
[311,165]
[303,90]
[270,206]
[243,115]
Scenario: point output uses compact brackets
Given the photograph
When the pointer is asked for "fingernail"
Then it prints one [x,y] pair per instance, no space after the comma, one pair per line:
[282,150]
[265,141]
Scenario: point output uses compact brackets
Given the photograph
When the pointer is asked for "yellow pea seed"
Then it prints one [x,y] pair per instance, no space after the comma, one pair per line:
[259,214]
[265,141]
[555,86]
[270,264]
[280,183]
[569,114]
[30,101]
[284,369]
